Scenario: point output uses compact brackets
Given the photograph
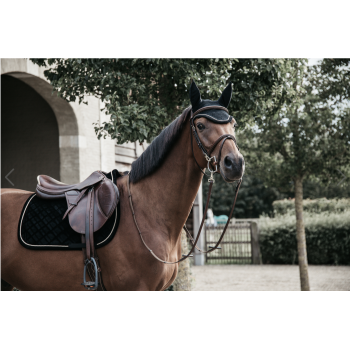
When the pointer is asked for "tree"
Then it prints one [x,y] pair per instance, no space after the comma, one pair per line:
[308,137]
[332,78]
[183,280]
[256,196]
[254,199]
[142,96]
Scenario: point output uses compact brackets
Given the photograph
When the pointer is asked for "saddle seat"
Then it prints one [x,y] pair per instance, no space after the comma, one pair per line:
[52,184]
[51,188]
[105,199]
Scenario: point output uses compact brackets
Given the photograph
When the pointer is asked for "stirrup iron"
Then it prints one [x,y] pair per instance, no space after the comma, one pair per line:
[87,284]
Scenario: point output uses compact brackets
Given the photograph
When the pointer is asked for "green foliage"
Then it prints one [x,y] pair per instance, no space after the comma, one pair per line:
[315,189]
[254,198]
[327,239]
[142,96]
[320,205]
[332,79]
[309,137]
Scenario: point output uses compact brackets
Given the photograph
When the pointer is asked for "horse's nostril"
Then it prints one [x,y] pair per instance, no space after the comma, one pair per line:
[228,162]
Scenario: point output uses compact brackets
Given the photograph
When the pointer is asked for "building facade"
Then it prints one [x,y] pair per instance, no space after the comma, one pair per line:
[44,134]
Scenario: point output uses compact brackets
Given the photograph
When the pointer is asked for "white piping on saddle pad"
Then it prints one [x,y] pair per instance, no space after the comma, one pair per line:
[61,246]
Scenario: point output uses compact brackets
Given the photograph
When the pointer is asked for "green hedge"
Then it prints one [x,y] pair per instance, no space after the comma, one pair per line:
[327,239]
[319,205]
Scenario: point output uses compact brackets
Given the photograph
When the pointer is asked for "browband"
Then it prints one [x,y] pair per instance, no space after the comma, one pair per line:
[199,113]
[208,107]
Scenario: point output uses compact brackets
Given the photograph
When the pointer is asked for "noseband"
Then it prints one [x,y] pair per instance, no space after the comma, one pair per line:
[211,161]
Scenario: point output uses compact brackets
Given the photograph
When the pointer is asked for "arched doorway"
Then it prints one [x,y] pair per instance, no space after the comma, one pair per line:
[29,135]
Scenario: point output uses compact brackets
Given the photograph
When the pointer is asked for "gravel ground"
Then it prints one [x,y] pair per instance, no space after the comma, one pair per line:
[268,277]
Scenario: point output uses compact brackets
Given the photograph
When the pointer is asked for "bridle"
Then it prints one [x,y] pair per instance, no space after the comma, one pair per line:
[211,161]
[207,154]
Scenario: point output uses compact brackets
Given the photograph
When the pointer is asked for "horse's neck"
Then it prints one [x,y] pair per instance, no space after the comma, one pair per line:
[171,190]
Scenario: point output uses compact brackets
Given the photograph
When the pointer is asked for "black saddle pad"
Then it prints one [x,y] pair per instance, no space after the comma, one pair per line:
[41,225]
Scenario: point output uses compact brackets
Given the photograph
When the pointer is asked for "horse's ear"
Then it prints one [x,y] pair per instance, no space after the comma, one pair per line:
[195,95]
[225,97]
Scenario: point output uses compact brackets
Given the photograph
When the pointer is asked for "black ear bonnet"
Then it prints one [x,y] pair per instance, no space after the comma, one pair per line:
[214,115]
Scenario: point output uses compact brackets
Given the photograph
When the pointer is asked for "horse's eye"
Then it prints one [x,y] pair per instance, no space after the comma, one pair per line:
[235,125]
[200,126]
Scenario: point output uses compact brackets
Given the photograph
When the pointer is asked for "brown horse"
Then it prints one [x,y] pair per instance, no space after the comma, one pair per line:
[163,181]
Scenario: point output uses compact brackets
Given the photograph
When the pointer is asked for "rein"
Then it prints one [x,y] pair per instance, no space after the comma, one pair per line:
[216,164]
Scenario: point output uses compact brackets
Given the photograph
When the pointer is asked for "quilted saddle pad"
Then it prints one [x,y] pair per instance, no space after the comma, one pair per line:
[41,225]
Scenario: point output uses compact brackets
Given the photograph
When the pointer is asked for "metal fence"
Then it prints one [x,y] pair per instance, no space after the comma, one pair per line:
[240,244]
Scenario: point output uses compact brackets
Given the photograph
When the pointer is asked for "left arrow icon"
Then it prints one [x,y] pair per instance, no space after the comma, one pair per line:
[6,177]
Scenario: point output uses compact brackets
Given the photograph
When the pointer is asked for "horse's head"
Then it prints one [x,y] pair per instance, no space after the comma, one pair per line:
[214,132]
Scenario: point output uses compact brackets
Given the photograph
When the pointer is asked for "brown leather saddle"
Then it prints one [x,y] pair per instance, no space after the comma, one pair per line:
[90,204]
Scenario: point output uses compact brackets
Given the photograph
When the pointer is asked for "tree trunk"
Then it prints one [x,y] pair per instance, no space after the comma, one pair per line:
[302,254]
[183,278]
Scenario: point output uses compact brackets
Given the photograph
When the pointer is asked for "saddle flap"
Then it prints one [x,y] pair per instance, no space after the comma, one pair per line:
[106,198]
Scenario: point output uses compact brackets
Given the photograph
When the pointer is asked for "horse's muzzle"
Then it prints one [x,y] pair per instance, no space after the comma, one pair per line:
[232,167]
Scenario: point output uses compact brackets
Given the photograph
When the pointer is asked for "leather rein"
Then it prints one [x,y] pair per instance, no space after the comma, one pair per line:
[212,162]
